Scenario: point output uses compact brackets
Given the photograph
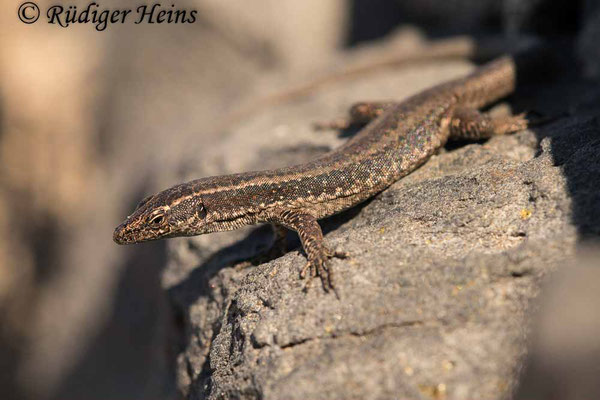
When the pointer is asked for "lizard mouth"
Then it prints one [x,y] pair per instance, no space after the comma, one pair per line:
[125,234]
[120,235]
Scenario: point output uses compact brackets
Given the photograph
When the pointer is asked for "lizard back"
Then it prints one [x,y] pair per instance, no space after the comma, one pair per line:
[388,148]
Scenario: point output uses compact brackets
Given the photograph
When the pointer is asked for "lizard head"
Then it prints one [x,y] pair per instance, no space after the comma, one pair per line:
[167,214]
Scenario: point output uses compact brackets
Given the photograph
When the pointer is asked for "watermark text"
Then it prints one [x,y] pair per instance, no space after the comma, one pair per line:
[101,18]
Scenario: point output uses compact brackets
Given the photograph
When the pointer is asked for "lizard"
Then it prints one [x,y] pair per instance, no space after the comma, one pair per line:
[397,138]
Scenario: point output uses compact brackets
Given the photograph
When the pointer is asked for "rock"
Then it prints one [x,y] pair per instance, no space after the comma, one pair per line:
[435,298]
[563,360]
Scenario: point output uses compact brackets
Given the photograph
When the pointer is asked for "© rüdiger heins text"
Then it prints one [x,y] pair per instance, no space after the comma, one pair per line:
[102,17]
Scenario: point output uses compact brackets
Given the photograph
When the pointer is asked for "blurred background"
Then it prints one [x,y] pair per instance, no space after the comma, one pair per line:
[91,122]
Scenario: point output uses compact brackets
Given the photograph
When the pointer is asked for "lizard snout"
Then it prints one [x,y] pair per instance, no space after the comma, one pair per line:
[119,236]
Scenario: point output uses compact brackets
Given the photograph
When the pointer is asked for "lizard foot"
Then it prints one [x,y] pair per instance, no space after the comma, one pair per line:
[510,124]
[319,265]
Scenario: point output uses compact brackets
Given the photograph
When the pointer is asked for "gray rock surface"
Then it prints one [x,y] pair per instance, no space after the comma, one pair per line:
[436,296]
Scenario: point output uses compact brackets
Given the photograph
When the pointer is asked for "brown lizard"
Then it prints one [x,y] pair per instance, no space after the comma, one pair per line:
[398,139]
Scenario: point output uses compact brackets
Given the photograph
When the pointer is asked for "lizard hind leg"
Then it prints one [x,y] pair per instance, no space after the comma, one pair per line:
[469,123]
[359,114]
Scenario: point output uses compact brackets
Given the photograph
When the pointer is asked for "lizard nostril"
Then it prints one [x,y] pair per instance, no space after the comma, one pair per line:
[118,235]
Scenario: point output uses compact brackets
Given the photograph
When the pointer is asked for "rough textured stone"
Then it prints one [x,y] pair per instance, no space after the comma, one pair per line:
[435,298]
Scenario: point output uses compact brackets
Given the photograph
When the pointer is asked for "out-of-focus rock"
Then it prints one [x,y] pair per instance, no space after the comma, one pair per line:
[90,123]
[587,41]
[564,361]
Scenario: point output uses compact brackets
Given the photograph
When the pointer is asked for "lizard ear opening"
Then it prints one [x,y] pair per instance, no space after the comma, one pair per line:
[202,211]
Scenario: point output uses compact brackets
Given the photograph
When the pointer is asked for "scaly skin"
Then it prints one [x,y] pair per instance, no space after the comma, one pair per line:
[400,138]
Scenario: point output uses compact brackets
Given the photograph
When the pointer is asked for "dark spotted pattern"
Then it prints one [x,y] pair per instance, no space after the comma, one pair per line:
[400,138]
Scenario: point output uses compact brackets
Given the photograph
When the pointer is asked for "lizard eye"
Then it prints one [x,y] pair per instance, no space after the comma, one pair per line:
[157,220]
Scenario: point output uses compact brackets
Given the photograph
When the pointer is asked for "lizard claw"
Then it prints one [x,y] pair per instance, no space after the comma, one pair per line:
[319,265]
[510,124]
[308,267]
[337,253]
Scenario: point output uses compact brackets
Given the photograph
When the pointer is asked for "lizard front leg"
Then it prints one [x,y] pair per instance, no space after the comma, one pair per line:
[311,236]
